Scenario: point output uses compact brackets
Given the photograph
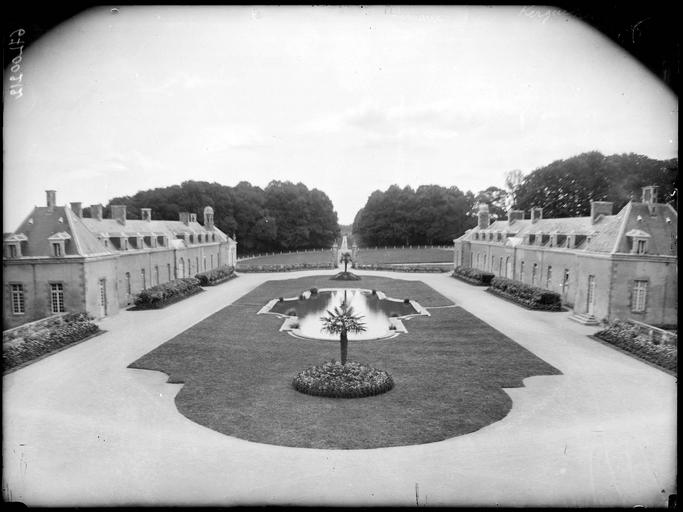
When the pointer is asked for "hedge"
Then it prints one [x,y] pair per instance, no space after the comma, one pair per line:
[401,268]
[163,294]
[625,335]
[216,276]
[473,276]
[76,327]
[529,296]
[286,267]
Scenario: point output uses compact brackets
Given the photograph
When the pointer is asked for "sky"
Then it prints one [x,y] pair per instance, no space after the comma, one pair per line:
[344,99]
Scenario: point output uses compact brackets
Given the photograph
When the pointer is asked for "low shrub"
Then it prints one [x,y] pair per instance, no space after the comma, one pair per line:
[473,276]
[334,380]
[532,297]
[627,336]
[285,267]
[167,293]
[216,276]
[76,327]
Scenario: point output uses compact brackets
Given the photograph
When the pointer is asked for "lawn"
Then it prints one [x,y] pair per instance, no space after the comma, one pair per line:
[407,255]
[324,256]
[449,372]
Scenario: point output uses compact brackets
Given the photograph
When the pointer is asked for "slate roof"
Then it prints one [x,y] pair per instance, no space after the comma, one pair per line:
[83,236]
[607,235]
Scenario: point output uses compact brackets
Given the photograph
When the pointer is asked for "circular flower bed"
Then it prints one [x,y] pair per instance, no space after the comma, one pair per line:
[345,276]
[352,380]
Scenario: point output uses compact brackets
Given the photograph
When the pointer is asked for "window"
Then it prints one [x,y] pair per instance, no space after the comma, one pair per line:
[128,290]
[565,280]
[521,271]
[57,249]
[640,246]
[639,296]
[57,297]
[534,270]
[204,262]
[12,251]
[17,293]
[156,275]
[212,261]
[168,268]
[181,267]
[549,278]
[144,279]
[197,262]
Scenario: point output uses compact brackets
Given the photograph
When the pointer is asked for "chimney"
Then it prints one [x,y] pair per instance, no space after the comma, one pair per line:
[77,208]
[96,211]
[600,208]
[146,214]
[483,216]
[536,214]
[184,217]
[208,218]
[650,198]
[118,212]
[514,215]
[51,199]
[193,217]
[650,194]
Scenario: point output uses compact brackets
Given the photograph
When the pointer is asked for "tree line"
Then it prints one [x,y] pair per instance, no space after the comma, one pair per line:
[433,214]
[282,217]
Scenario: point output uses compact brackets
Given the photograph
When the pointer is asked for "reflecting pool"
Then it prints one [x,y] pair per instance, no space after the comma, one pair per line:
[381,314]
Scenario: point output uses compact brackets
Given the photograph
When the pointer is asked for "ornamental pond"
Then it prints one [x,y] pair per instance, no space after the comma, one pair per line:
[382,315]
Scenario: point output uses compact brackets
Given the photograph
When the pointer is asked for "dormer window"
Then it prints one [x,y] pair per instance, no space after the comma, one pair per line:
[639,241]
[13,245]
[57,243]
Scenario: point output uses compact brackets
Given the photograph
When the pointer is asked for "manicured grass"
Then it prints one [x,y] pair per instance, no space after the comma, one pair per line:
[407,255]
[449,372]
[289,259]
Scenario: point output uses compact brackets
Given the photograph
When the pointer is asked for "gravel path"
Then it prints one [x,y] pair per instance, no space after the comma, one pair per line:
[79,428]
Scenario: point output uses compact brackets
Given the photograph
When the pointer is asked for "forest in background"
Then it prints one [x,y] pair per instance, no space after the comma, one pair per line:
[287,217]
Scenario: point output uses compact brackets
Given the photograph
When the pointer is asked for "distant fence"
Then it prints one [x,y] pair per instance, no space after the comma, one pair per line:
[387,247]
[277,253]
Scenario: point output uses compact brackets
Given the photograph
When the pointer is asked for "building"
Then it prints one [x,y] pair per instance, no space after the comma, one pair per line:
[59,261]
[605,266]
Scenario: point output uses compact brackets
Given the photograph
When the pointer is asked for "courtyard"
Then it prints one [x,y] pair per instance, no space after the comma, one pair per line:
[588,426]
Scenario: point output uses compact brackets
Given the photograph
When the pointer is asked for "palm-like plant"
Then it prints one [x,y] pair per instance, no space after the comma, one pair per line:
[342,321]
[346,259]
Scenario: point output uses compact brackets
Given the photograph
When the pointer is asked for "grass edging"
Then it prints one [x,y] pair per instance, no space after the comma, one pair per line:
[633,355]
[513,300]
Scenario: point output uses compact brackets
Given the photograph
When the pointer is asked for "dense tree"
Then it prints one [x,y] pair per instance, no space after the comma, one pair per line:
[284,216]
[565,188]
[496,198]
[430,215]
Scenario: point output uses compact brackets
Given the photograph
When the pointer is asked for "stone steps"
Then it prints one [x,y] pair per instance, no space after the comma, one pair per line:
[585,319]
